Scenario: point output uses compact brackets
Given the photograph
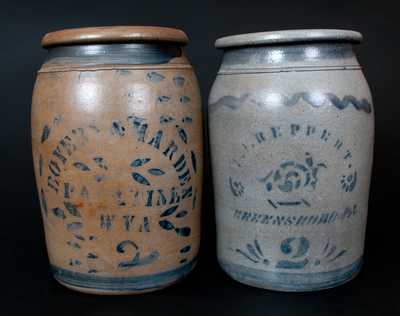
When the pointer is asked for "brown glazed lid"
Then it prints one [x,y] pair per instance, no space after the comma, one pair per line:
[114,34]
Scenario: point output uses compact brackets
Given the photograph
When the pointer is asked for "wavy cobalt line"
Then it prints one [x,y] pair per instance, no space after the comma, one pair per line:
[234,103]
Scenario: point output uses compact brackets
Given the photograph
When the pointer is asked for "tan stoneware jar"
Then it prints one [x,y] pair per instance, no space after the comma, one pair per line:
[117,149]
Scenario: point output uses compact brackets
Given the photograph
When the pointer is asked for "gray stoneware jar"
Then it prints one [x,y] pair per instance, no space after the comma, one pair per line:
[291,132]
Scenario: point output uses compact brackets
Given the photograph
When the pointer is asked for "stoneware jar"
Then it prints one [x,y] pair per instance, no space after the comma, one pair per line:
[291,132]
[117,148]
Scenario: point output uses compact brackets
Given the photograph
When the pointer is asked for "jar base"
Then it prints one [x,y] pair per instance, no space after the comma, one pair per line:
[105,292]
[102,285]
[291,282]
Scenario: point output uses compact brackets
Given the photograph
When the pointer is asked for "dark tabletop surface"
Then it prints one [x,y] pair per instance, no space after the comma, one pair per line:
[31,290]
[27,287]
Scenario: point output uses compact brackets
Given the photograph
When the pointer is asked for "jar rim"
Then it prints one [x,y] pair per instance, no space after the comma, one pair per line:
[289,37]
[114,34]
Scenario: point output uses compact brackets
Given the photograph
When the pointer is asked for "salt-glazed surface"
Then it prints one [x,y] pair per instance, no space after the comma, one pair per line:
[117,147]
[291,131]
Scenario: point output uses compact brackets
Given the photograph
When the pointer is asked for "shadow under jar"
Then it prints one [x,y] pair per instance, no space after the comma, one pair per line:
[117,148]
[291,134]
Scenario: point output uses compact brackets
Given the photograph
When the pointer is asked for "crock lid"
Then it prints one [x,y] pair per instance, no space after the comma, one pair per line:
[114,34]
[288,36]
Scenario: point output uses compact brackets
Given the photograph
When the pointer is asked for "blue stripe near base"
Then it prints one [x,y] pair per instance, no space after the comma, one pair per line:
[291,282]
[120,284]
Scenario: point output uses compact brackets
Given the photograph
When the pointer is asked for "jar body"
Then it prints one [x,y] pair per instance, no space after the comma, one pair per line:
[117,147]
[291,148]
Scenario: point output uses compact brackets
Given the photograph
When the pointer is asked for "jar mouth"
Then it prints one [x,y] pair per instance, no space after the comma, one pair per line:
[114,34]
[289,37]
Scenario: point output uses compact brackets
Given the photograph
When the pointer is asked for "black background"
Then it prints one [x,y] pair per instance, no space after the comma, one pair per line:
[27,287]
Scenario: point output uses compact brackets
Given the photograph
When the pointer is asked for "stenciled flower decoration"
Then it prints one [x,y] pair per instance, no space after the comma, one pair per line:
[292,175]
[348,182]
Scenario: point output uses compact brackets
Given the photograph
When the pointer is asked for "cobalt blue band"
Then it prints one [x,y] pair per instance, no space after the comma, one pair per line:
[282,281]
[105,54]
[136,283]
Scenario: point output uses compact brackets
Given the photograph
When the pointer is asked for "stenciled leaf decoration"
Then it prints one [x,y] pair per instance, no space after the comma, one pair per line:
[179,81]
[184,99]
[186,249]
[155,76]
[45,133]
[92,255]
[81,166]
[140,179]
[43,201]
[163,98]
[194,161]
[100,162]
[181,214]
[187,119]
[80,237]
[182,134]
[257,245]
[41,163]
[72,209]
[252,250]
[74,245]
[58,212]
[156,172]
[167,225]
[139,162]
[169,211]
[309,161]
[74,226]
[166,119]
[74,262]
[117,128]
[183,231]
